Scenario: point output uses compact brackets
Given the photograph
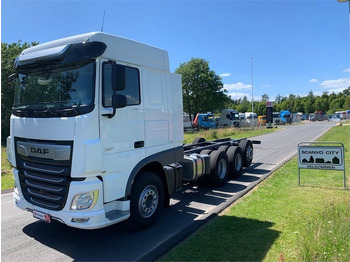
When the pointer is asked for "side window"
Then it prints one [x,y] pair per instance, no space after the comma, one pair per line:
[132,83]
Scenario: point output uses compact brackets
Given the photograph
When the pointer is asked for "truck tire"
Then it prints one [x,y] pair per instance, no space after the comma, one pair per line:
[198,140]
[146,200]
[235,161]
[206,152]
[218,168]
[223,148]
[247,149]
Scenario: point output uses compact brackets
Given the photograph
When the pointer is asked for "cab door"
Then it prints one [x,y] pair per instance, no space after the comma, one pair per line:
[122,134]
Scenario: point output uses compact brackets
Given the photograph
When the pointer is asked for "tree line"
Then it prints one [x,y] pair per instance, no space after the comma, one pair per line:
[327,103]
[203,91]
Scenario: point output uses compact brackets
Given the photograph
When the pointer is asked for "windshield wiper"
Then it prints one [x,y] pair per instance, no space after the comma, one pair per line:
[65,111]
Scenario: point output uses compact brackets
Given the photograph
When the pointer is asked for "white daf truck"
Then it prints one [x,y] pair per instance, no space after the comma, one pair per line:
[97,133]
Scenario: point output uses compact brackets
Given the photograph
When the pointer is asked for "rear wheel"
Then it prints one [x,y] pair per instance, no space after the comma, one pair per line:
[206,152]
[223,148]
[218,168]
[247,149]
[198,140]
[146,201]
[235,159]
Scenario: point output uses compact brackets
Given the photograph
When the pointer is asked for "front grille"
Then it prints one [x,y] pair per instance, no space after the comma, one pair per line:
[44,181]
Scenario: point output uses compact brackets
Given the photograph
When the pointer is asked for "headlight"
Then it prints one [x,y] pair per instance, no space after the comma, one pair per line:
[85,200]
[9,150]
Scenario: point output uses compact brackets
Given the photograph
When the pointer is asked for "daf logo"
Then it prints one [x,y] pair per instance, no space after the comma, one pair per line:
[41,151]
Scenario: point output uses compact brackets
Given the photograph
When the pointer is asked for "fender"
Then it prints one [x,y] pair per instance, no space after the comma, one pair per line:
[163,158]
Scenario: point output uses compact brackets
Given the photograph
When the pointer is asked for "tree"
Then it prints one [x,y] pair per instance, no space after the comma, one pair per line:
[9,52]
[265,98]
[202,88]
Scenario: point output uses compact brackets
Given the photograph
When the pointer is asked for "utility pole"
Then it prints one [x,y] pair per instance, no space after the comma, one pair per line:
[252,93]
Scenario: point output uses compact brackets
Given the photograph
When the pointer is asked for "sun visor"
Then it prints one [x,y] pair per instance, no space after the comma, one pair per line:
[68,53]
[55,53]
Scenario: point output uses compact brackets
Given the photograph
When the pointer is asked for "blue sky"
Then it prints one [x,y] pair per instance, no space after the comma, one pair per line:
[297,46]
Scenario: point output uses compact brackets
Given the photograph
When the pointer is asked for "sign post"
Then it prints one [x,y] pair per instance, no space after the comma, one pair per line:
[321,155]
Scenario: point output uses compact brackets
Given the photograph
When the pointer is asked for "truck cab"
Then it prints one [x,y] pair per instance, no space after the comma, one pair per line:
[92,113]
[229,118]
[204,121]
[286,117]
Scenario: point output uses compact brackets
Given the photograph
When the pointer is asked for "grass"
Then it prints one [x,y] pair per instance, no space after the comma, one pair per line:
[7,181]
[226,132]
[280,221]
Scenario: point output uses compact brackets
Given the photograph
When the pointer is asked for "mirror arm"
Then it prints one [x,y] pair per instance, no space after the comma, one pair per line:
[110,115]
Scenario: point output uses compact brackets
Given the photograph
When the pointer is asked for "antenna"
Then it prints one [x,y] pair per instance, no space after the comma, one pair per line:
[103,20]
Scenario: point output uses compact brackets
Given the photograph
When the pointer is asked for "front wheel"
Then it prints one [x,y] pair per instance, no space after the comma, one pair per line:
[146,201]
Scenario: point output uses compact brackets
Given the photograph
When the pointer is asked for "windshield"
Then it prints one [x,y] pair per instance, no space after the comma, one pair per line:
[55,91]
[234,116]
[211,118]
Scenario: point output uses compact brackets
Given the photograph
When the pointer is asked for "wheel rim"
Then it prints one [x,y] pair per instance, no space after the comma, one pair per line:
[148,201]
[249,153]
[222,168]
[238,162]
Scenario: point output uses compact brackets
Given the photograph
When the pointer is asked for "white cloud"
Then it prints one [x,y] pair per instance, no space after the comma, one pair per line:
[347,70]
[236,95]
[314,80]
[265,86]
[237,86]
[335,90]
[337,85]
[225,74]
[240,95]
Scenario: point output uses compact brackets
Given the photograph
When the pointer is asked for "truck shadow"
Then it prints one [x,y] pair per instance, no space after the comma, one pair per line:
[244,240]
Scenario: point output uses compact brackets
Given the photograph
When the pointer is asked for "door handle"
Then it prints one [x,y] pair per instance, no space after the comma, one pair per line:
[139,144]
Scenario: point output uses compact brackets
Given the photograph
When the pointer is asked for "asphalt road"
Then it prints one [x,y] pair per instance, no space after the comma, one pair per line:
[24,238]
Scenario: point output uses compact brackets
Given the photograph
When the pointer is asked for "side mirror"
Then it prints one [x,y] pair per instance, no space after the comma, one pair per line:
[118,77]
[12,77]
[119,101]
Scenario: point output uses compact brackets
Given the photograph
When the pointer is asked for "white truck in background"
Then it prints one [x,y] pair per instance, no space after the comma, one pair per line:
[229,118]
[97,133]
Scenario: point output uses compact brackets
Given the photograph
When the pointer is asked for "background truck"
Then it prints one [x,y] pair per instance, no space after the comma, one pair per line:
[276,118]
[97,134]
[204,121]
[251,118]
[262,120]
[319,116]
[229,118]
[286,117]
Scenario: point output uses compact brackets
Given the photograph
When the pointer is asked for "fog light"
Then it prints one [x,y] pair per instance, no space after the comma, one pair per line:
[80,220]
[85,200]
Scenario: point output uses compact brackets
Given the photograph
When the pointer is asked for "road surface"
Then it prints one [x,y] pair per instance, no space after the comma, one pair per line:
[24,238]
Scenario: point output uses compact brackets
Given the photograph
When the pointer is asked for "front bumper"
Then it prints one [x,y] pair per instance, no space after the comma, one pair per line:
[96,216]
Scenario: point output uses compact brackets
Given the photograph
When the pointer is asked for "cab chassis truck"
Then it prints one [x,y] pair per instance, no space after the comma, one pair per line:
[97,133]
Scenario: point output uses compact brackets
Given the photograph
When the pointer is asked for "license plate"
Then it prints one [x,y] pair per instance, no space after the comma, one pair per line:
[42,216]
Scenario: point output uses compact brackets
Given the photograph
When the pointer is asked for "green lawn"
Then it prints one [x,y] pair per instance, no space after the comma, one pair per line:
[7,181]
[280,221]
[227,132]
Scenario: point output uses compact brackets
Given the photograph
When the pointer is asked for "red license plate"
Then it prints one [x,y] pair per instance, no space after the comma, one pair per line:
[42,216]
